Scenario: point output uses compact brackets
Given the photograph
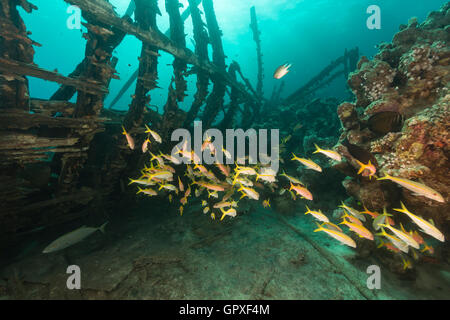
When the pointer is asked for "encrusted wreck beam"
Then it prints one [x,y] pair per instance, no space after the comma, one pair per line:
[173,116]
[14,45]
[105,13]
[19,69]
[201,49]
[256,34]
[233,107]
[317,81]
[102,40]
[145,14]
[177,35]
[186,13]
[214,103]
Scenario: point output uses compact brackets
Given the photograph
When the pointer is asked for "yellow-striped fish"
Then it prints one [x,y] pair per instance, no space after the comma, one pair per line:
[417,188]
[425,226]
[329,153]
[308,163]
[339,236]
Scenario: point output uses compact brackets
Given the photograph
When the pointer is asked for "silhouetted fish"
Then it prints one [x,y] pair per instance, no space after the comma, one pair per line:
[385,122]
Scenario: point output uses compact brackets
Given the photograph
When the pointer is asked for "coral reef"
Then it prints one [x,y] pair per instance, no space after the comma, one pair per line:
[406,83]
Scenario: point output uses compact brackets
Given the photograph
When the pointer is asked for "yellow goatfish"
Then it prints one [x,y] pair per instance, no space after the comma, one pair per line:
[292,179]
[425,226]
[145,145]
[339,236]
[399,244]
[359,229]
[180,185]
[224,204]
[406,238]
[308,163]
[353,212]
[230,212]
[149,192]
[154,134]
[249,192]
[317,214]
[329,153]
[266,203]
[416,187]
[281,71]
[130,140]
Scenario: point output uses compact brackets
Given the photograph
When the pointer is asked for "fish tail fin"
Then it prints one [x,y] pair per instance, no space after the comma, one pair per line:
[386,177]
[381,244]
[131,181]
[307,208]
[102,227]
[147,129]
[320,228]
[403,209]
[124,131]
[317,148]
[294,156]
[140,190]
[257,176]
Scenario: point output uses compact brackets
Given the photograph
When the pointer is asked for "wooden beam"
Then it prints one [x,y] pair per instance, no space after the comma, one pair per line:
[18,68]
[104,12]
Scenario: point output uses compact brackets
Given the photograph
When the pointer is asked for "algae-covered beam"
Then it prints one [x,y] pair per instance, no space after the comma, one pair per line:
[228,119]
[145,14]
[214,102]
[318,81]
[14,46]
[104,12]
[18,69]
[186,13]
[177,35]
[256,37]
[201,49]
[104,38]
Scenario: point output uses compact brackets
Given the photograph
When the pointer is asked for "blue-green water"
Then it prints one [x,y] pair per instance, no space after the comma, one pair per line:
[307,33]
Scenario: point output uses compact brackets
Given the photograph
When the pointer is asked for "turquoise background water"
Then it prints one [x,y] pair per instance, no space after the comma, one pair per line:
[307,33]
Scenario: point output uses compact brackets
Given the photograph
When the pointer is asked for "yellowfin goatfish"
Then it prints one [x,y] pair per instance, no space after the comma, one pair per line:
[154,134]
[291,179]
[329,153]
[359,229]
[399,244]
[145,145]
[317,214]
[416,187]
[339,236]
[281,71]
[72,238]
[308,163]
[249,192]
[353,212]
[406,238]
[230,212]
[301,191]
[130,140]
[266,203]
[425,226]
[149,192]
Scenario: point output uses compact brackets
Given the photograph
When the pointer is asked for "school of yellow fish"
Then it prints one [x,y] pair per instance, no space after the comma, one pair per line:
[220,189]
